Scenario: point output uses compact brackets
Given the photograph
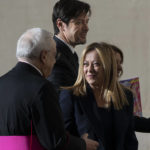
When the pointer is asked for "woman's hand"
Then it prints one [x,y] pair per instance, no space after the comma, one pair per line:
[90,144]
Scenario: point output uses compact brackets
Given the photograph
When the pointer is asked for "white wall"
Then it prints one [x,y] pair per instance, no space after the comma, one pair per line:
[15,17]
[125,23]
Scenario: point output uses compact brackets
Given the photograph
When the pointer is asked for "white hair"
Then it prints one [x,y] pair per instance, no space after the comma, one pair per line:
[32,42]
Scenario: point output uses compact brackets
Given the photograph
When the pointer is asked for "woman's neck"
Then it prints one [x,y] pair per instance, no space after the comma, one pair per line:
[99,97]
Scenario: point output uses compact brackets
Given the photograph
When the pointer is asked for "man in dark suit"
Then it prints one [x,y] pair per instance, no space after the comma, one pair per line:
[26,96]
[70,21]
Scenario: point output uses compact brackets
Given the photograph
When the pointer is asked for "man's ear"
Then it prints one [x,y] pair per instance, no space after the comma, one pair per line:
[60,24]
[43,56]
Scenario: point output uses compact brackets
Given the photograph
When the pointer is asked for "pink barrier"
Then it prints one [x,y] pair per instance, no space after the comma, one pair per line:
[19,143]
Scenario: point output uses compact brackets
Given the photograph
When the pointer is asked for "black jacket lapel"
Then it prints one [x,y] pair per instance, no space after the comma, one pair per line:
[88,105]
[66,54]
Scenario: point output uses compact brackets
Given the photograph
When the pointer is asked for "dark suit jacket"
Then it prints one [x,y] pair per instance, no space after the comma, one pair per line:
[24,96]
[83,110]
[142,124]
[65,70]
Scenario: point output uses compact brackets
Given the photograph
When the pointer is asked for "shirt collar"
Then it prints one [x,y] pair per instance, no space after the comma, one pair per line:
[32,66]
[71,48]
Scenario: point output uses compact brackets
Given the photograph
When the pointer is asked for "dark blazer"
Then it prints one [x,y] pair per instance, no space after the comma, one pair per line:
[142,124]
[25,95]
[82,110]
[65,70]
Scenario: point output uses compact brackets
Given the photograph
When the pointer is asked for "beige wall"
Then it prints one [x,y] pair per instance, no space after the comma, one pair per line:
[125,23]
[15,17]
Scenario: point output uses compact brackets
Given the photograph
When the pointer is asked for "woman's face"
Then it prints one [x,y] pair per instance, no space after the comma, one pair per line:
[93,69]
[119,64]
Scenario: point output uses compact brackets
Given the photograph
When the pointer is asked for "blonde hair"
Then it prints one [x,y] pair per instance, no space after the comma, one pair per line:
[111,89]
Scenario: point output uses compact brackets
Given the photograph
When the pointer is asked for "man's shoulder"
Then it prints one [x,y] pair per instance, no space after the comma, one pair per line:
[62,47]
[59,43]
[41,81]
[29,78]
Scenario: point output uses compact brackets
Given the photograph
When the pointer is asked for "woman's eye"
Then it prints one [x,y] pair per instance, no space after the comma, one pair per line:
[85,64]
[96,64]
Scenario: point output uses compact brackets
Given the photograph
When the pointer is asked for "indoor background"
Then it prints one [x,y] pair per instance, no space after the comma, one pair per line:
[124,23]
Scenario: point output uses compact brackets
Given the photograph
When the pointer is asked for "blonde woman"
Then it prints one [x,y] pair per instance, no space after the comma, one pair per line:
[96,104]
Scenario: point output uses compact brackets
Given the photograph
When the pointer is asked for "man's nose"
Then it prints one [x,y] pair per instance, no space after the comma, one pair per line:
[85,26]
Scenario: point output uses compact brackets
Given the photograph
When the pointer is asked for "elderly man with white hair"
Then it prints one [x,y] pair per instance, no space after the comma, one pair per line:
[28,100]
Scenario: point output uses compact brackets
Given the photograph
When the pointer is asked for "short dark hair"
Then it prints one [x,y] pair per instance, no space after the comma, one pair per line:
[67,10]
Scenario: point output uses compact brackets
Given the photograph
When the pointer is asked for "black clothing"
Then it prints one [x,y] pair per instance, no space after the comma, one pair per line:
[142,124]
[83,111]
[65,70]
[25,96]
[107,123]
